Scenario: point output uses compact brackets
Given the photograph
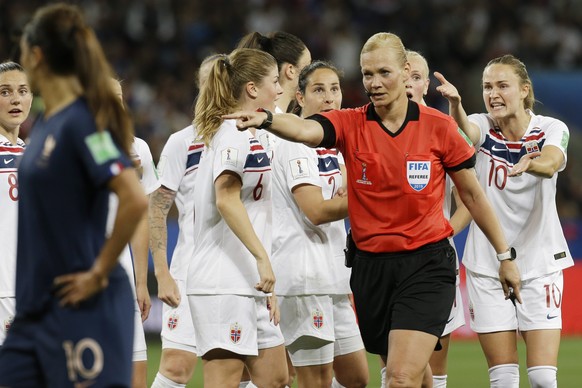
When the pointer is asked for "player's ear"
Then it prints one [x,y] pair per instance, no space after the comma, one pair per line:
[300,98]
[251,89]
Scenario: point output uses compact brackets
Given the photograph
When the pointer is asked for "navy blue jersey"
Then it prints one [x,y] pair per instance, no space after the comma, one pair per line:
[63,203]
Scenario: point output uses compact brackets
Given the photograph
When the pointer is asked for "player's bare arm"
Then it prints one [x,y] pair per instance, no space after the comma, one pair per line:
[285,125]
[228,187]
[161,201]
[482,212]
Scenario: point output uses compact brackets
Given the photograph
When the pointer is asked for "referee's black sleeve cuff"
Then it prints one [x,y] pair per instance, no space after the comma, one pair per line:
[469,163]
[329,138]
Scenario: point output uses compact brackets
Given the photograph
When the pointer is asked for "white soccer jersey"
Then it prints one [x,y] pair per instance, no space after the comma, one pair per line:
[177,170]
[307,259]
[9,156]
[221,263]
[525,205]
[140,152]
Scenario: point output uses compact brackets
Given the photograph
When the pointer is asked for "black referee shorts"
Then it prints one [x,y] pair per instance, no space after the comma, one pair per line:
[411,290]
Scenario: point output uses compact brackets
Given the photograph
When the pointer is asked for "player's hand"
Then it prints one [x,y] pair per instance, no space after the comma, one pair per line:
[510,280]
[447,89]
[342,192]
[72,289]
[143,301]
[168,291]
[246,119]
[273,306]
[266,276]
[523,164]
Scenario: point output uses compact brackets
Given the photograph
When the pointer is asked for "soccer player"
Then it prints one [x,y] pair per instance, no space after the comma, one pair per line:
[230,275]
[520,156]
[291,54]
[135,262]
[73,299]
[397,153]
[15,103]
[317,319]
[416,89]
[177,168]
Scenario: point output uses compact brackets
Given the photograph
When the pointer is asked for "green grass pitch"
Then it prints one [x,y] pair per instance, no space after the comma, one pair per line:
[467,367]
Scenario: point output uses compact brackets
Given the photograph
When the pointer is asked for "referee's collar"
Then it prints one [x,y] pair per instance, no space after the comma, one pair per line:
[412,114]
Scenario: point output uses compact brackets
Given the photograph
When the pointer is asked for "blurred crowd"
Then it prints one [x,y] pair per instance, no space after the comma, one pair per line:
[155,46]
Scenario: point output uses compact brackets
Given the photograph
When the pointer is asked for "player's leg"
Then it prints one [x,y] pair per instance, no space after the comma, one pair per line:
[222,368]
[178,359]
[140,364]
[176,368]
[494,319]
[312,358]
[408,355]
[438,360]
[540,322]
[350,363]
[269,367]
[542,357]
[438,363]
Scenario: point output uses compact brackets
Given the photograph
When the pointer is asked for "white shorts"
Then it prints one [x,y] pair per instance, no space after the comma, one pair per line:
[312,322]
[7,310]
[236,323]
[177,328]
[139,343]
[491,312]
[457,316]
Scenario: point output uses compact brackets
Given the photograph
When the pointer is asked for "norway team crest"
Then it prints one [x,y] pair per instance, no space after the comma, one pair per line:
[235,333]
[531,146]
[317,319]
[173,321]
[7,323]
[418,174]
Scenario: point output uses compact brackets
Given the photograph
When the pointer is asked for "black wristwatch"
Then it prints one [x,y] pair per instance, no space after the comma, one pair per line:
[509,255]
[268,121]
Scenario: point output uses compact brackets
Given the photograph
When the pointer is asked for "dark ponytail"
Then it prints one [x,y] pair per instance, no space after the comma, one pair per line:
[70,47]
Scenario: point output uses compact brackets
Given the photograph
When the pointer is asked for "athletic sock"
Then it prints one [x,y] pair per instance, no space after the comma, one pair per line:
[383,377]
[336,384]
[542,376]
[439,381]
[162,381]
[247,384]
[504,376]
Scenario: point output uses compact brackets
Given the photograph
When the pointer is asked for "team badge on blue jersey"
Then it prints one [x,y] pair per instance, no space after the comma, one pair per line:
[418,174]
[173,321]
[317,319]
[299,168]
[47,149]
[229,156]
[235,333]
[531,146]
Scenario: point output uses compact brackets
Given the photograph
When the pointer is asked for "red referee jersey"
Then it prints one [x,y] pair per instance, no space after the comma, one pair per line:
[396,180]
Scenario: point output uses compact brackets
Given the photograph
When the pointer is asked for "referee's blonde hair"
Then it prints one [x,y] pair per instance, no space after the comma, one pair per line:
[389,41]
